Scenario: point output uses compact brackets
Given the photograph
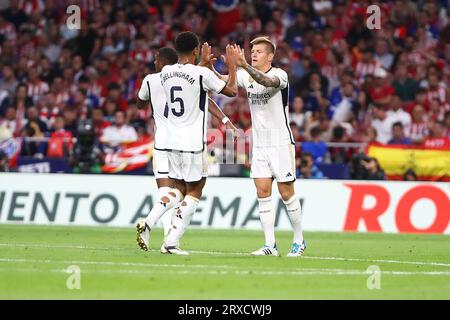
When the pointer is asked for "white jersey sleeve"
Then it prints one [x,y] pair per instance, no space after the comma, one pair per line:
[144,91]
[211,82]
[282,75]
[241,75]
[152,90]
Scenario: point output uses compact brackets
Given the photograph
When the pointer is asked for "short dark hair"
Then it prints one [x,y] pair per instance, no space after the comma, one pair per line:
[186,42]
[397,124]
[315,131]
[308,155]
[169,55]
[338,132]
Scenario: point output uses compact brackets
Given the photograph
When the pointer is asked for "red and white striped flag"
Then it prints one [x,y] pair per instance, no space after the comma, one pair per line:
[130,156]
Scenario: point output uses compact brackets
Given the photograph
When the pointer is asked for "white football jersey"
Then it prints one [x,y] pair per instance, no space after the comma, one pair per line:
[186,87]
[152,90]
[269,109]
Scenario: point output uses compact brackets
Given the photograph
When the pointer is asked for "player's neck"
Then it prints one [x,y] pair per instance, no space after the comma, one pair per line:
[185,60]
[265,68]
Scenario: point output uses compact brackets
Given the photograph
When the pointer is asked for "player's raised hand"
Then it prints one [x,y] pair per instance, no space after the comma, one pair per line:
[240,57]
[206,58]
[230,59]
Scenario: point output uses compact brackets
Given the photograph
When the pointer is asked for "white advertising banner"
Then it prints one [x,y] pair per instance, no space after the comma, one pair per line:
[328,205]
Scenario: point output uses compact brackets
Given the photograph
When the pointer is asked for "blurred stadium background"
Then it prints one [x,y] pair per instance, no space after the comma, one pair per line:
[365,105]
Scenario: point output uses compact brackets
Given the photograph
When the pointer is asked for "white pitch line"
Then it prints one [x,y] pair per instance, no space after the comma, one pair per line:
[440,264]
[59,246]
[425,263]
[114,263]
[211,271]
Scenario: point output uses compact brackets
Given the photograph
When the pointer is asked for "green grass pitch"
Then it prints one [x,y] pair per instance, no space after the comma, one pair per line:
[34,260]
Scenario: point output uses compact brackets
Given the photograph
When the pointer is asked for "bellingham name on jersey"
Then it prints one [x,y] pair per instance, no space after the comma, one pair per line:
[177,74]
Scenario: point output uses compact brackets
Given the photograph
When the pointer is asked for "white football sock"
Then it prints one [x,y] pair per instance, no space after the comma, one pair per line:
[166,218]
[294,211]
[181,219]
[267,218]
[165,203]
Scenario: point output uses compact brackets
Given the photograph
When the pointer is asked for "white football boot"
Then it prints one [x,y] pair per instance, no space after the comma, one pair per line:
[173,250]
[266,251]
[297,250]
[163,249]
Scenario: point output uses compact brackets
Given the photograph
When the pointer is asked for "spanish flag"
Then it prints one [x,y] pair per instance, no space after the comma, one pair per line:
[428,164]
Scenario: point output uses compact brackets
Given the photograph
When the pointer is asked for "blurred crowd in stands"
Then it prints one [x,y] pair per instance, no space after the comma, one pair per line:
[348,83]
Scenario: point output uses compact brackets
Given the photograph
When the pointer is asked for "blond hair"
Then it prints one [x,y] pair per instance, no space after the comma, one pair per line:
[264,40]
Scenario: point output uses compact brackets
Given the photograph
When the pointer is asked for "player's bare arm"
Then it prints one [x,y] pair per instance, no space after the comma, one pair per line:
[141,104]
[218,113]
[259,76]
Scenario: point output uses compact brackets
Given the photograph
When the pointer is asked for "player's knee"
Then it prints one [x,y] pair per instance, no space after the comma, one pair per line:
[286,195]
[263,192]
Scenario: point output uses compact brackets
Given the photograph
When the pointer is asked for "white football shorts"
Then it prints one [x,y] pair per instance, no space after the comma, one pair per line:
[276,162]
[187,166]
[160,164]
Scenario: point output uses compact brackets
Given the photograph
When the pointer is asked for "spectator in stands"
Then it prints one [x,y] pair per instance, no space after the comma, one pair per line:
[33,119]
[398,134]
[381,93]
[307,169]
[70,120]
[110,108]
[405,87]
[5,133]
[366,168]
[60,143]
[134,119]
[370,136]
[382,123]
[397,114]
[410,175]
[340,154]
[438,137]
[315,146]
[36,87]
[419,129]
[114,95]
[99,122]
[11,122]
[21,100]
[4,162]
[316,99]
[447,122]
[342,103]
[119,132]
[366,65]
[297,114]
[382,54]
[8,81]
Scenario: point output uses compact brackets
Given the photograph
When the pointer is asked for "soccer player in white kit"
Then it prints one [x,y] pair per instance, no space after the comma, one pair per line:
[152,93]
[186,87]
[273,151]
